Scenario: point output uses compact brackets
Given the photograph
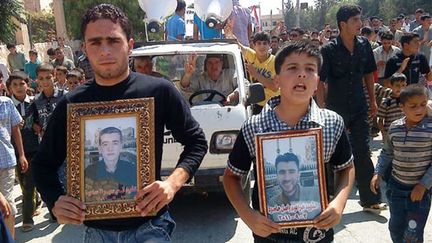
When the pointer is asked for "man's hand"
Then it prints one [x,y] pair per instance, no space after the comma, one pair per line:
[37,129]
[69,210]
[404,64]
[331,216]
[259,224]
[190,65]
[418,192]
[373,108]
[232,98]
[5,208]
[23,163]
[154,196]
[375,183]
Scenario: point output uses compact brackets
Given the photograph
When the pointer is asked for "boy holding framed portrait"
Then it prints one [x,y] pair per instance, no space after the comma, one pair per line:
[297,66]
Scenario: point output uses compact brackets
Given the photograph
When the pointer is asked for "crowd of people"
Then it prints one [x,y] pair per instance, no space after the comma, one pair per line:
[353,80]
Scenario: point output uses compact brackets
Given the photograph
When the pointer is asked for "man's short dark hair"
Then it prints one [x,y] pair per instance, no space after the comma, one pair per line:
[107,11]
[347,11]
[366,31]
[33,51]
[397,77]
[62,69]
[298,47]
[10,45]
[419,10]
[287,157]
[275,37]
[408,37]
[261,36]
[411,91]
[181,4]
[45,67]
[373,17]
[110,130]
[51,52]
[74,74]
[20,75]
[387,35]
[299,30]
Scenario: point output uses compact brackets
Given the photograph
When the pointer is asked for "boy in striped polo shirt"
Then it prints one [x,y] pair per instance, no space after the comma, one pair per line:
[389,110]
[409,155]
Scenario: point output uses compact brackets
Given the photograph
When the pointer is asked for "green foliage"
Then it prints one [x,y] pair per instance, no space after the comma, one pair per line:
[42,26]
[10,13]
[75,9]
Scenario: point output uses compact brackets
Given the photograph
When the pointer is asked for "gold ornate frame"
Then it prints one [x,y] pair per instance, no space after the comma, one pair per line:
[77,114]
[260,138]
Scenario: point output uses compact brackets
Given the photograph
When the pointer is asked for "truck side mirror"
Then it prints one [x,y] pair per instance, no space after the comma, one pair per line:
[256,93]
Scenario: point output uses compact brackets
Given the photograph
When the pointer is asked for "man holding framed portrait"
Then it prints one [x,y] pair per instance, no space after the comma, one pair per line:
[294,111]
[107,43]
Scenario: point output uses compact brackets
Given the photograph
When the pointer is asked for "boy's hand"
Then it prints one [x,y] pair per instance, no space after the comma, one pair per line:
[418,192]
[37,129]
[252,70]
[330,217]
[23,163]
[69,210]
[375,183]
[404,64]
[5,208]
[260,225]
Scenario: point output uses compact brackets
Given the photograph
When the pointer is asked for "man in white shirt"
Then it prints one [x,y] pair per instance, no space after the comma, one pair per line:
[383,53]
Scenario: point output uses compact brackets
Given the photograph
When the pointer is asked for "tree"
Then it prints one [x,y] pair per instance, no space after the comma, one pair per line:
[42,26]
[10,15]
[74,10]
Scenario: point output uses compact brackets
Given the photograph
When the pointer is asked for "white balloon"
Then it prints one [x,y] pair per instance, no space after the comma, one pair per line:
[213,11]
[157,10]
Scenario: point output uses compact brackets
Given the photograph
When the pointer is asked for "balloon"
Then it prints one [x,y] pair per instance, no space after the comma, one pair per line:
[213,12]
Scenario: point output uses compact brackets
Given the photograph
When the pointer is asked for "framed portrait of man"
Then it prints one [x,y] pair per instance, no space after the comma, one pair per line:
[110,155]
[290,176]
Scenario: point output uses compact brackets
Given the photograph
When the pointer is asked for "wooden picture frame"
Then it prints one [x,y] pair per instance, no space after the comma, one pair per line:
[291,193]
[105,167]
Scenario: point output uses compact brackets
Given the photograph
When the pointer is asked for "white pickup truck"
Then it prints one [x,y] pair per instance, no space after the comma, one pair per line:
[221,123]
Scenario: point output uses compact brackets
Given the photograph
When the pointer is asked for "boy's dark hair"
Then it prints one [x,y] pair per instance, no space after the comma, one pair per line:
[373,17]
[74,74]
[315,32]
[261,36]
[33,51]
[424,17]
[299,30]
[107,11]
[62,69]
[408,37]
[411,91]
[17,75]
[366,31]
[275,37]
[58,49]
[45,67]
[387,35]
[298,47]
[10,45]
[397,77]
[181,4]
[287,157]
[347,11]
[51,52]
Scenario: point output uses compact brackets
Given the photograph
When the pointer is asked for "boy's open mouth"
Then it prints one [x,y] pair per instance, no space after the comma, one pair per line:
[300,87]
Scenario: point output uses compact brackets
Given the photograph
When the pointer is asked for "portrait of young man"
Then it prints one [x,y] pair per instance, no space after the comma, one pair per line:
[110,178]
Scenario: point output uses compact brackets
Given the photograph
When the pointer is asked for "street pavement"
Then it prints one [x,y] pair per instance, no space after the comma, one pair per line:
[210,218]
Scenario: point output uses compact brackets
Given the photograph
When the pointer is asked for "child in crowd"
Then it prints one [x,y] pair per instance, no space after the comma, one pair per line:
[74,79]
[30,66]
[409,156]
[10,121]
[46,101]
[297,66]
[389,109]
[18,85]
[60,78]
[381,93]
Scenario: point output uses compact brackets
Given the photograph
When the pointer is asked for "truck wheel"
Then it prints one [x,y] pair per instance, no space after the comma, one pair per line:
[246,185]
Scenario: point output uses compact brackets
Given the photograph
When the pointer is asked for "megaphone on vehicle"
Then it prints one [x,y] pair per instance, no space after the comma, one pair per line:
[213,12]
[156,12]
